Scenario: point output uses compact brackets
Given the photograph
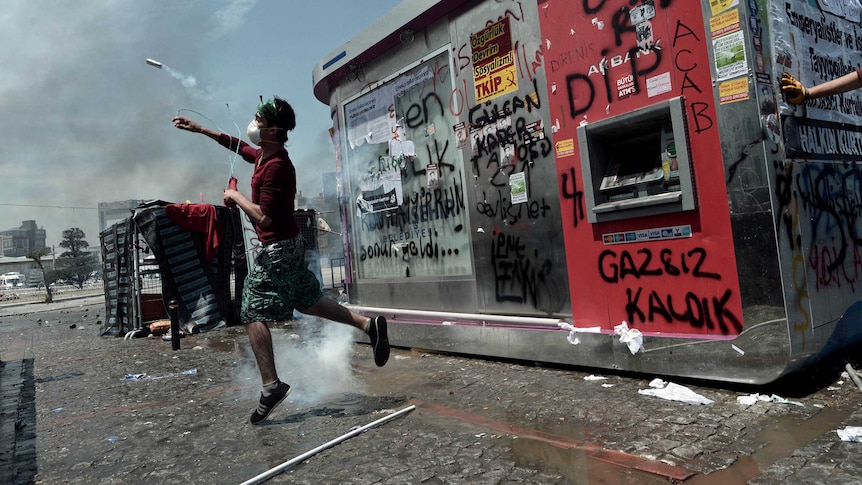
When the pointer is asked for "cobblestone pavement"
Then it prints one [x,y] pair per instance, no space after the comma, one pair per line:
[109,410]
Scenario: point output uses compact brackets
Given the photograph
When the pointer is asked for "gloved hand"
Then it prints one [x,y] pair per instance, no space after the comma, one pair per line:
[793,90]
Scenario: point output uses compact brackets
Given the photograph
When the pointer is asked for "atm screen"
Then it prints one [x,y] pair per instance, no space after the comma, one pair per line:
[634,158]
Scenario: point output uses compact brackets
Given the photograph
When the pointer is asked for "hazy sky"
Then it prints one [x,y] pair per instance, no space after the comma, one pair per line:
[85,120]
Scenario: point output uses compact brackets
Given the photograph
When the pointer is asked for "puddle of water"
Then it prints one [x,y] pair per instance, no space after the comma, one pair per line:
[570,428]
[576,466]
[781,436]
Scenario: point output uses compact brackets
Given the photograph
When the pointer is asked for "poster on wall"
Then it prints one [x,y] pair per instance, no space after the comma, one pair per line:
[381,193]
[730,58]
[369,121]
[371,118]
[817,41]
[494,70]
[409,214]
[719,6]
[518,187]
[733,91]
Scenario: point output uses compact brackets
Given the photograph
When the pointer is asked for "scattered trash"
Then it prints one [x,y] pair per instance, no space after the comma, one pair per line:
[734,347]
[608,385]
[57,410]
[572,337]
[71,326]
[573,331]
[779,399]
[481,435]
[852,434]
[594,378]
[657,383]
[144,376]
[752,398]
[674,392]
[113,439]
[167,337]
[629,336]
[448,323]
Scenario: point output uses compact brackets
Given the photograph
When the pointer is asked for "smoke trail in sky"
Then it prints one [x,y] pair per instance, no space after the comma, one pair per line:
[190,83]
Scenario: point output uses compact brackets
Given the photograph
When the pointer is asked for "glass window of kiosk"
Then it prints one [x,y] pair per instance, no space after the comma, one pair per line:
[637,163]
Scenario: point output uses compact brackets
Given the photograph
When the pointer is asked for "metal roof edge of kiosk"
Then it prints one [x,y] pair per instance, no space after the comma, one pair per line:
[531,181]
[408,16]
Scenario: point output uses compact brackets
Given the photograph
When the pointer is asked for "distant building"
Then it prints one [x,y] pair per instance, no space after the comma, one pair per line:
[32,274]
[18,241]
[111,212]
[6,244]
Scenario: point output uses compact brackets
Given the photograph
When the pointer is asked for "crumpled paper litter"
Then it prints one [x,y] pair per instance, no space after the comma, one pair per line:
[674,392]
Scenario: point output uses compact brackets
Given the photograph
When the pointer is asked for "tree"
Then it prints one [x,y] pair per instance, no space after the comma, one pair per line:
[37,255]
[76,265]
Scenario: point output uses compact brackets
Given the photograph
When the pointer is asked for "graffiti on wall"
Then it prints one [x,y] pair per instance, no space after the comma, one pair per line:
[504,151]
[407,178]
[652,303]
[830,196]
[521,274]
[817,187]
[510,161]
[409,140]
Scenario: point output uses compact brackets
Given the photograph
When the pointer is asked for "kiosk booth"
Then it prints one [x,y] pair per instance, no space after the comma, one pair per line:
[609,183]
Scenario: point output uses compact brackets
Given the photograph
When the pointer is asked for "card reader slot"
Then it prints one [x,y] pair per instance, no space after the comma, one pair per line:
[666,198]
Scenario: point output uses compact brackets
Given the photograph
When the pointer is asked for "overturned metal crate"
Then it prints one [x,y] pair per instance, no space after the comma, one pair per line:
[193,254]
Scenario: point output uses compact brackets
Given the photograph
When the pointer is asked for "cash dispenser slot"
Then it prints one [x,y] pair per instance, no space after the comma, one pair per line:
[637,163]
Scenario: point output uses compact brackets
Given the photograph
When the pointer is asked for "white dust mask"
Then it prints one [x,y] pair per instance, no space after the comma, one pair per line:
[253,132]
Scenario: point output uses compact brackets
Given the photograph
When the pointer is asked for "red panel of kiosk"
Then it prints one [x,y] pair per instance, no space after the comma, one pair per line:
[672,273]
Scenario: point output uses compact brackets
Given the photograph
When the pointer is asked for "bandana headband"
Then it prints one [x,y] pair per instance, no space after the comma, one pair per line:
[267,110]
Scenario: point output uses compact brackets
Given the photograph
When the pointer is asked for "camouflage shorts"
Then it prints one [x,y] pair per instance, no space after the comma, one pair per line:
[279,282]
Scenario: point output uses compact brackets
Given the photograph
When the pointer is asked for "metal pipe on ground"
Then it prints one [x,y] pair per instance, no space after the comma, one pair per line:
[308,454]
[854,376]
